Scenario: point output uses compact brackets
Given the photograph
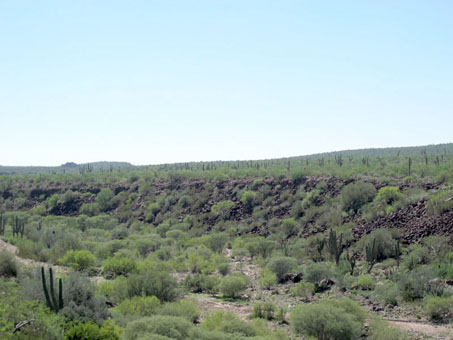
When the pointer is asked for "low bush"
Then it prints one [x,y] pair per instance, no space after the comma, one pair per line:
[118,265]
[364,282]
[139,305]
[440,202]
[153,282]
[418,283]
[264,310]
[304,290]
[91,331]
[329,320]
[317,272]
[199,283]
[233,286]
[248,199]
[354,195]
[228,322]
[380,330]
[81,304]
[387,293]
[223,268]
[78,259]
[8,264]
[267,279]
[171,327]
[185,309]
[438,308]
[281,266]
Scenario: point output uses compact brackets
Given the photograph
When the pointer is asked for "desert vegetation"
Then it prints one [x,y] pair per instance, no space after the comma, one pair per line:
[331,246]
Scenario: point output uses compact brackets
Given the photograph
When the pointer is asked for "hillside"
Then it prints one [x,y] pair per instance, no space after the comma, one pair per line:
[243,250]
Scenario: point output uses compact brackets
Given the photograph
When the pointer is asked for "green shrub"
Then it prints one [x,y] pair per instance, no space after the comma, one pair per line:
[118,265]
[329,320]
[185,309]
[267,279]
[81,304]
[248,199]
[380,330]
[418,255]
[104,199]
[388,195]
[172,327]
[89,209]
[223,209]
[259,246]
[364,282]
[264,310]
[114,290]
[229,323]
[233,286]
[417,283]
[153,210]
[304,290]
[354,195]
[78,259]
[440,202]
[298,177]
[387,293]
[281,266]
[438,308]
[223,268]
[317,272]
[91,331]
[139,305]
[199,283]
[8,264]
[217,241]
[153,281]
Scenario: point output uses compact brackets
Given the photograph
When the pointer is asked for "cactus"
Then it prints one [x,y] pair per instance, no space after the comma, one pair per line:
[2,224]
[410,165]
[335,246]
[374,252]
[397,253]
[320,246]
[352,260]
[51,298]
[18,227]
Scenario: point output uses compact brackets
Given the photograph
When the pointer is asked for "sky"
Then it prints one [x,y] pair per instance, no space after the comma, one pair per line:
[166,81]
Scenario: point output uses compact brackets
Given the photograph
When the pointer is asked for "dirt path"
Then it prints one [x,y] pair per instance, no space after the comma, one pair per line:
[210,303]
[29,262]
[435,332]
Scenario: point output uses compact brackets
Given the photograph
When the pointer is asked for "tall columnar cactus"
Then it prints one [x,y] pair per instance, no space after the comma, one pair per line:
[374,252]
[2,224]
[397,253]
[51,298]
[320,243]
[352,259]
[410,166]
[18,227]
[335,245]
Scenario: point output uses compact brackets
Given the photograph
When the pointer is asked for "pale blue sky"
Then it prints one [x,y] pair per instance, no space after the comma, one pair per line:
[168,81]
